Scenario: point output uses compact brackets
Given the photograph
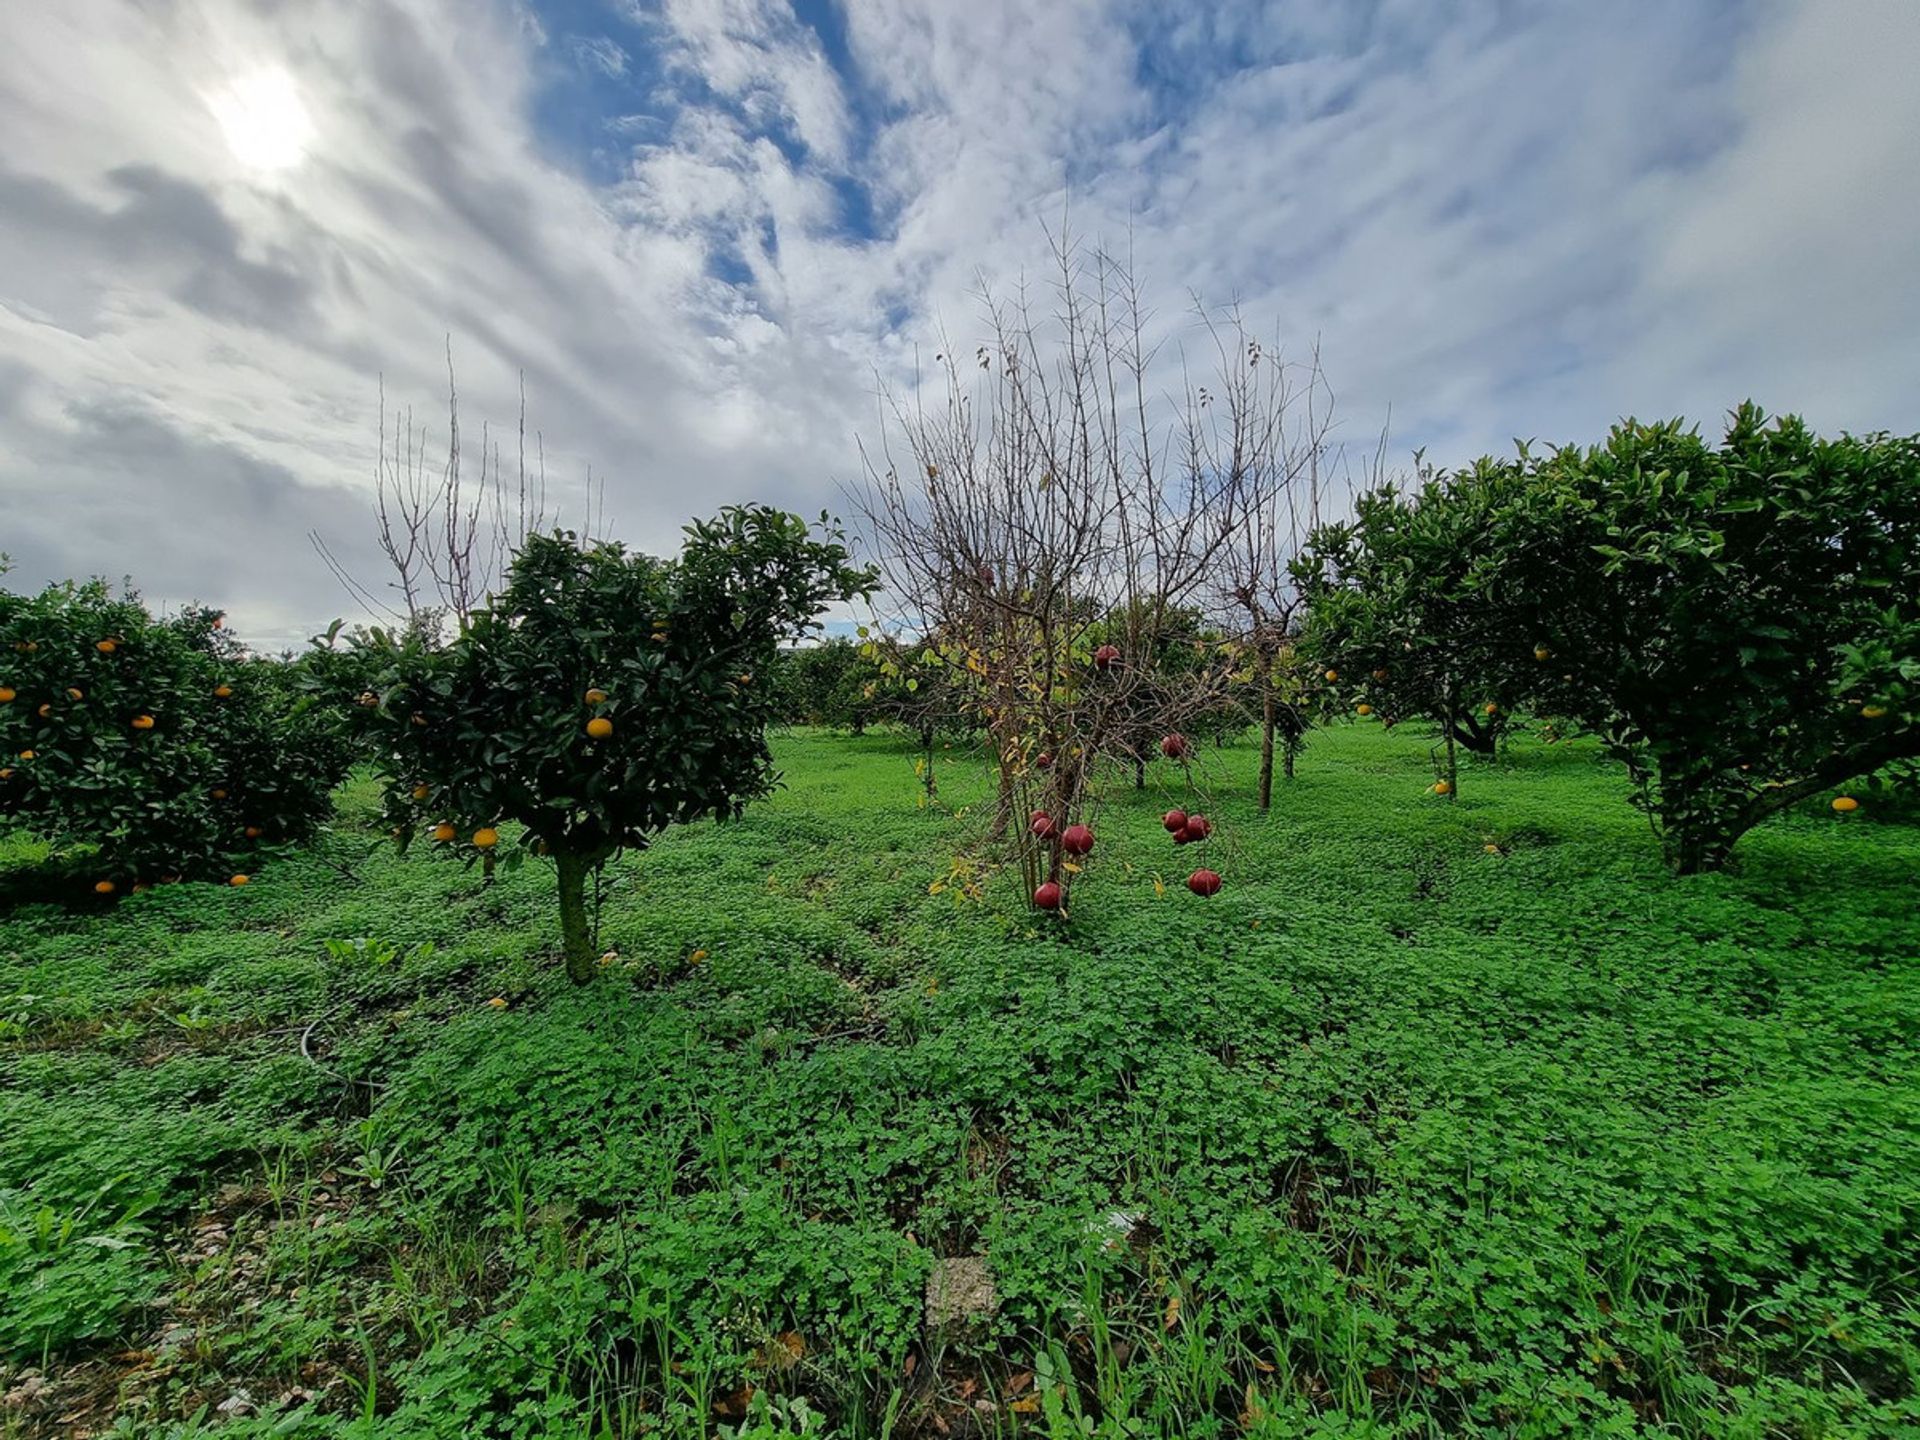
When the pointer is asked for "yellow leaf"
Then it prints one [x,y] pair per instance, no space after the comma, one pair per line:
[1070,868]
[936,887]
[497,1003]
[1159,886]
[696,957]
[1172,1317]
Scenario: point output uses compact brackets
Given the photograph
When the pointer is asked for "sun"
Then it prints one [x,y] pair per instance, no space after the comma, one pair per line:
[266,126]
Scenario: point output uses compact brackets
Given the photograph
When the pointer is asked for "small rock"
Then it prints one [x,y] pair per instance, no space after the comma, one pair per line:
[960,1289]
[238,1403]
[23,1394]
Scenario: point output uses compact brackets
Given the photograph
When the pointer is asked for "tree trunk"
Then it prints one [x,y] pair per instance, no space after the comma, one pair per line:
[1453,769]
[1003,801]
[1269,721]
[1139,773]
[1470,734]
[574,935]
[1706,842]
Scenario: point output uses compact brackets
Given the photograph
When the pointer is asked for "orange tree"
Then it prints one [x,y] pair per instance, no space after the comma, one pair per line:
[1740,623]
[1403,613]
[603,695]
[153,748]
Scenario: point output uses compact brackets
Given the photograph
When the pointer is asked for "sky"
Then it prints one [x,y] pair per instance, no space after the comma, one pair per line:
[706,233]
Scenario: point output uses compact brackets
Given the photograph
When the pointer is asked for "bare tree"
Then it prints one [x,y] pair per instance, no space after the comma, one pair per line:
[1291,405]
[1055,496]
[447,536]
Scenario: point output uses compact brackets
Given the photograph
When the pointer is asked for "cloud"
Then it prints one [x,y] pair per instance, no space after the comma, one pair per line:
[1497,220]
[600,53]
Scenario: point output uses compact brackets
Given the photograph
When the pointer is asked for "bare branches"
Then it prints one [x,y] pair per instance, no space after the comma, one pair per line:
[1055,495]
[448,537]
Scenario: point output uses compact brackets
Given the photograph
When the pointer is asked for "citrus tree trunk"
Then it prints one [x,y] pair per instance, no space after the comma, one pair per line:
[575,937]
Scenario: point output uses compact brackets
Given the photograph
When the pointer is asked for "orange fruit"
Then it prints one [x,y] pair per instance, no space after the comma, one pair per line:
[1333,674]
[74,692]
[44,711]
[237,879]
[596,697]
[106,647]
[599,727]
[1846,804]
[7,773]
[1379,674]
[143,722]
[26,754]
[486,837]
[253,832]
[444,832]
[1443,787]
[223,691]
[219,794]
[1867,712]
[1363,709]
[103,887]
[420,792]
[6,695]
[1541,652]
[1493,709]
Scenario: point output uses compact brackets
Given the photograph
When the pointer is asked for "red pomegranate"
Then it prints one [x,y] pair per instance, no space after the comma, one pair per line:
[1175,821]
[1204,882]
[1043,761]
[1199,827]
[1047,897]
[1042,826]
[1105,656]
[1173,746]
[1078,840]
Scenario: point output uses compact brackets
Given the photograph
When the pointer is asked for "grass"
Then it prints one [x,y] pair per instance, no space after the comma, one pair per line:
[1397,1136]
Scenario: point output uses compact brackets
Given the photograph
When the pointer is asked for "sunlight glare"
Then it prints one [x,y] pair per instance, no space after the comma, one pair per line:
[266,126]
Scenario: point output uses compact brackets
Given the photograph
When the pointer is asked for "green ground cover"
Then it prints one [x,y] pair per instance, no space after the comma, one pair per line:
[1396,1136]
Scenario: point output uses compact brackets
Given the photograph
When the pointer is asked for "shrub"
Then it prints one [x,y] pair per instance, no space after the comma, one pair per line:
[604,695]
[159,742]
